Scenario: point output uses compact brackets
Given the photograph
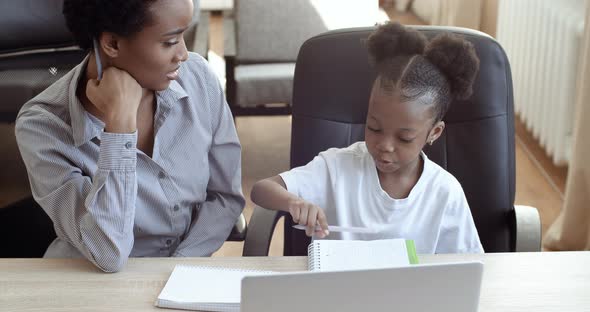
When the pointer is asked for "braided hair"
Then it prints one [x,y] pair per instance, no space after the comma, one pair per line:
[434,72]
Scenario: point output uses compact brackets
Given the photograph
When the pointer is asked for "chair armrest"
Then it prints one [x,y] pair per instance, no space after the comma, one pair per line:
[201,40]
[238,232]
[229,54]
[262,226]
[528,228]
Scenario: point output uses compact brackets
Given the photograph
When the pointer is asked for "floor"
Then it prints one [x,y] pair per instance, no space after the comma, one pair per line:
[266,153]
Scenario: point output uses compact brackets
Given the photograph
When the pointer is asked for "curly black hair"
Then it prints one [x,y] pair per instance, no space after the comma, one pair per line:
[443,68]
[87,19]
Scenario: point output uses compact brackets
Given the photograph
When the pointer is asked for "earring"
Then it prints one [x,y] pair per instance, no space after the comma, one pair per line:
[431,141]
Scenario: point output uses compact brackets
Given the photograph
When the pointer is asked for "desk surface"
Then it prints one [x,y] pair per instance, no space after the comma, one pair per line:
[557,281]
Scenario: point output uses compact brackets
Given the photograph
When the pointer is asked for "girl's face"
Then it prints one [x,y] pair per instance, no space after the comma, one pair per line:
[153,55]
[396,131]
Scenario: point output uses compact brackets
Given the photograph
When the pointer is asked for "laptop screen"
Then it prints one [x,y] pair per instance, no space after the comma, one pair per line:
[452,287]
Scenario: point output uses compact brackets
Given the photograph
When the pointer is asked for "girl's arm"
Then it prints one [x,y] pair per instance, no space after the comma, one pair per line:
[272,194]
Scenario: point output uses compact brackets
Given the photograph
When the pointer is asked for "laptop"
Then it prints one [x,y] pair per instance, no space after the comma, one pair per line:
[450,287]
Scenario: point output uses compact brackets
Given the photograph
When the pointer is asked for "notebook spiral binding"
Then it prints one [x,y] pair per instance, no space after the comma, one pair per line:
[313,257]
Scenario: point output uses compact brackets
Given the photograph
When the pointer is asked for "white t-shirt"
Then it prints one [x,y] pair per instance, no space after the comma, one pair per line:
[344,182]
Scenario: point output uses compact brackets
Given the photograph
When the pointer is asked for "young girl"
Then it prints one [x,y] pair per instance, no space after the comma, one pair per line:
[387,183]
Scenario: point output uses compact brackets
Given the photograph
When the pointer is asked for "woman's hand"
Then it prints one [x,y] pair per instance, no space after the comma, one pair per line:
[310,216]
[117,95]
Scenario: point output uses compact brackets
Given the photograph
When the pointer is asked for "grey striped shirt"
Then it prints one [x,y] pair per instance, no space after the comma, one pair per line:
[108,200]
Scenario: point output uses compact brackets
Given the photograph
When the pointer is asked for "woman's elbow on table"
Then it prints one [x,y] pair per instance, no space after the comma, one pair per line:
[111,259]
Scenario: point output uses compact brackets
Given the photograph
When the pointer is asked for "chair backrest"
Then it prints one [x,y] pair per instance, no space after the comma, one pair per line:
[30,25]
[330,97]
[273,30]
[36,50]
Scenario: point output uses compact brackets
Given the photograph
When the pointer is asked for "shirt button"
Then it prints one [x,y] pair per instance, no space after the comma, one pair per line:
[161,175]
[128,145]
[168,242]
[176,208]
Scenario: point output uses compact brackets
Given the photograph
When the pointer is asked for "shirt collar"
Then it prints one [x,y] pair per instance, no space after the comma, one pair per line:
[175,91]
[84,128]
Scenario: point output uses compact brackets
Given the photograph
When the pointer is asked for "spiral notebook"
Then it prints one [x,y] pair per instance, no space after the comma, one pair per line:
[204,288]
[340,255]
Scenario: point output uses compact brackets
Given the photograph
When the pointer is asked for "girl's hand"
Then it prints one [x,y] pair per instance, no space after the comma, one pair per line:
[117,95]
[309,215]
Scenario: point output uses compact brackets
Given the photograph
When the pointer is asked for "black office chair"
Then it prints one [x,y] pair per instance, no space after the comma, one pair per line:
[35,51]
[330,95]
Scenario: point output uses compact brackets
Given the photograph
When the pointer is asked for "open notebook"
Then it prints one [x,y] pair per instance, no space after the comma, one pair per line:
[340,255]
[218,289]
[204,288]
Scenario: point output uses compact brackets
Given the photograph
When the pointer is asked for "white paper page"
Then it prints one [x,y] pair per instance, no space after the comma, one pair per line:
[205,285]
[336,255]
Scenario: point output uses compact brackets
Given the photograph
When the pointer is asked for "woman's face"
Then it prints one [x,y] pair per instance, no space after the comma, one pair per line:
[153,55]
[396,131]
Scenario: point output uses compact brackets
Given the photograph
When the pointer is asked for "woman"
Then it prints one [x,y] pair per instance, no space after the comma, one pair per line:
[134,152]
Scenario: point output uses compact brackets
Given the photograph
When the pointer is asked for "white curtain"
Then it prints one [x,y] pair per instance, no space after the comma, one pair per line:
[571,230]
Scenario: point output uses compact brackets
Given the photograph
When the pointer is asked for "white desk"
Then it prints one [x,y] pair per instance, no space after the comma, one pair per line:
[531,282]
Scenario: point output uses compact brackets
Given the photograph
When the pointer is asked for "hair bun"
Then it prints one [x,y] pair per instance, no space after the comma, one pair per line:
[394,40]
[456,59]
